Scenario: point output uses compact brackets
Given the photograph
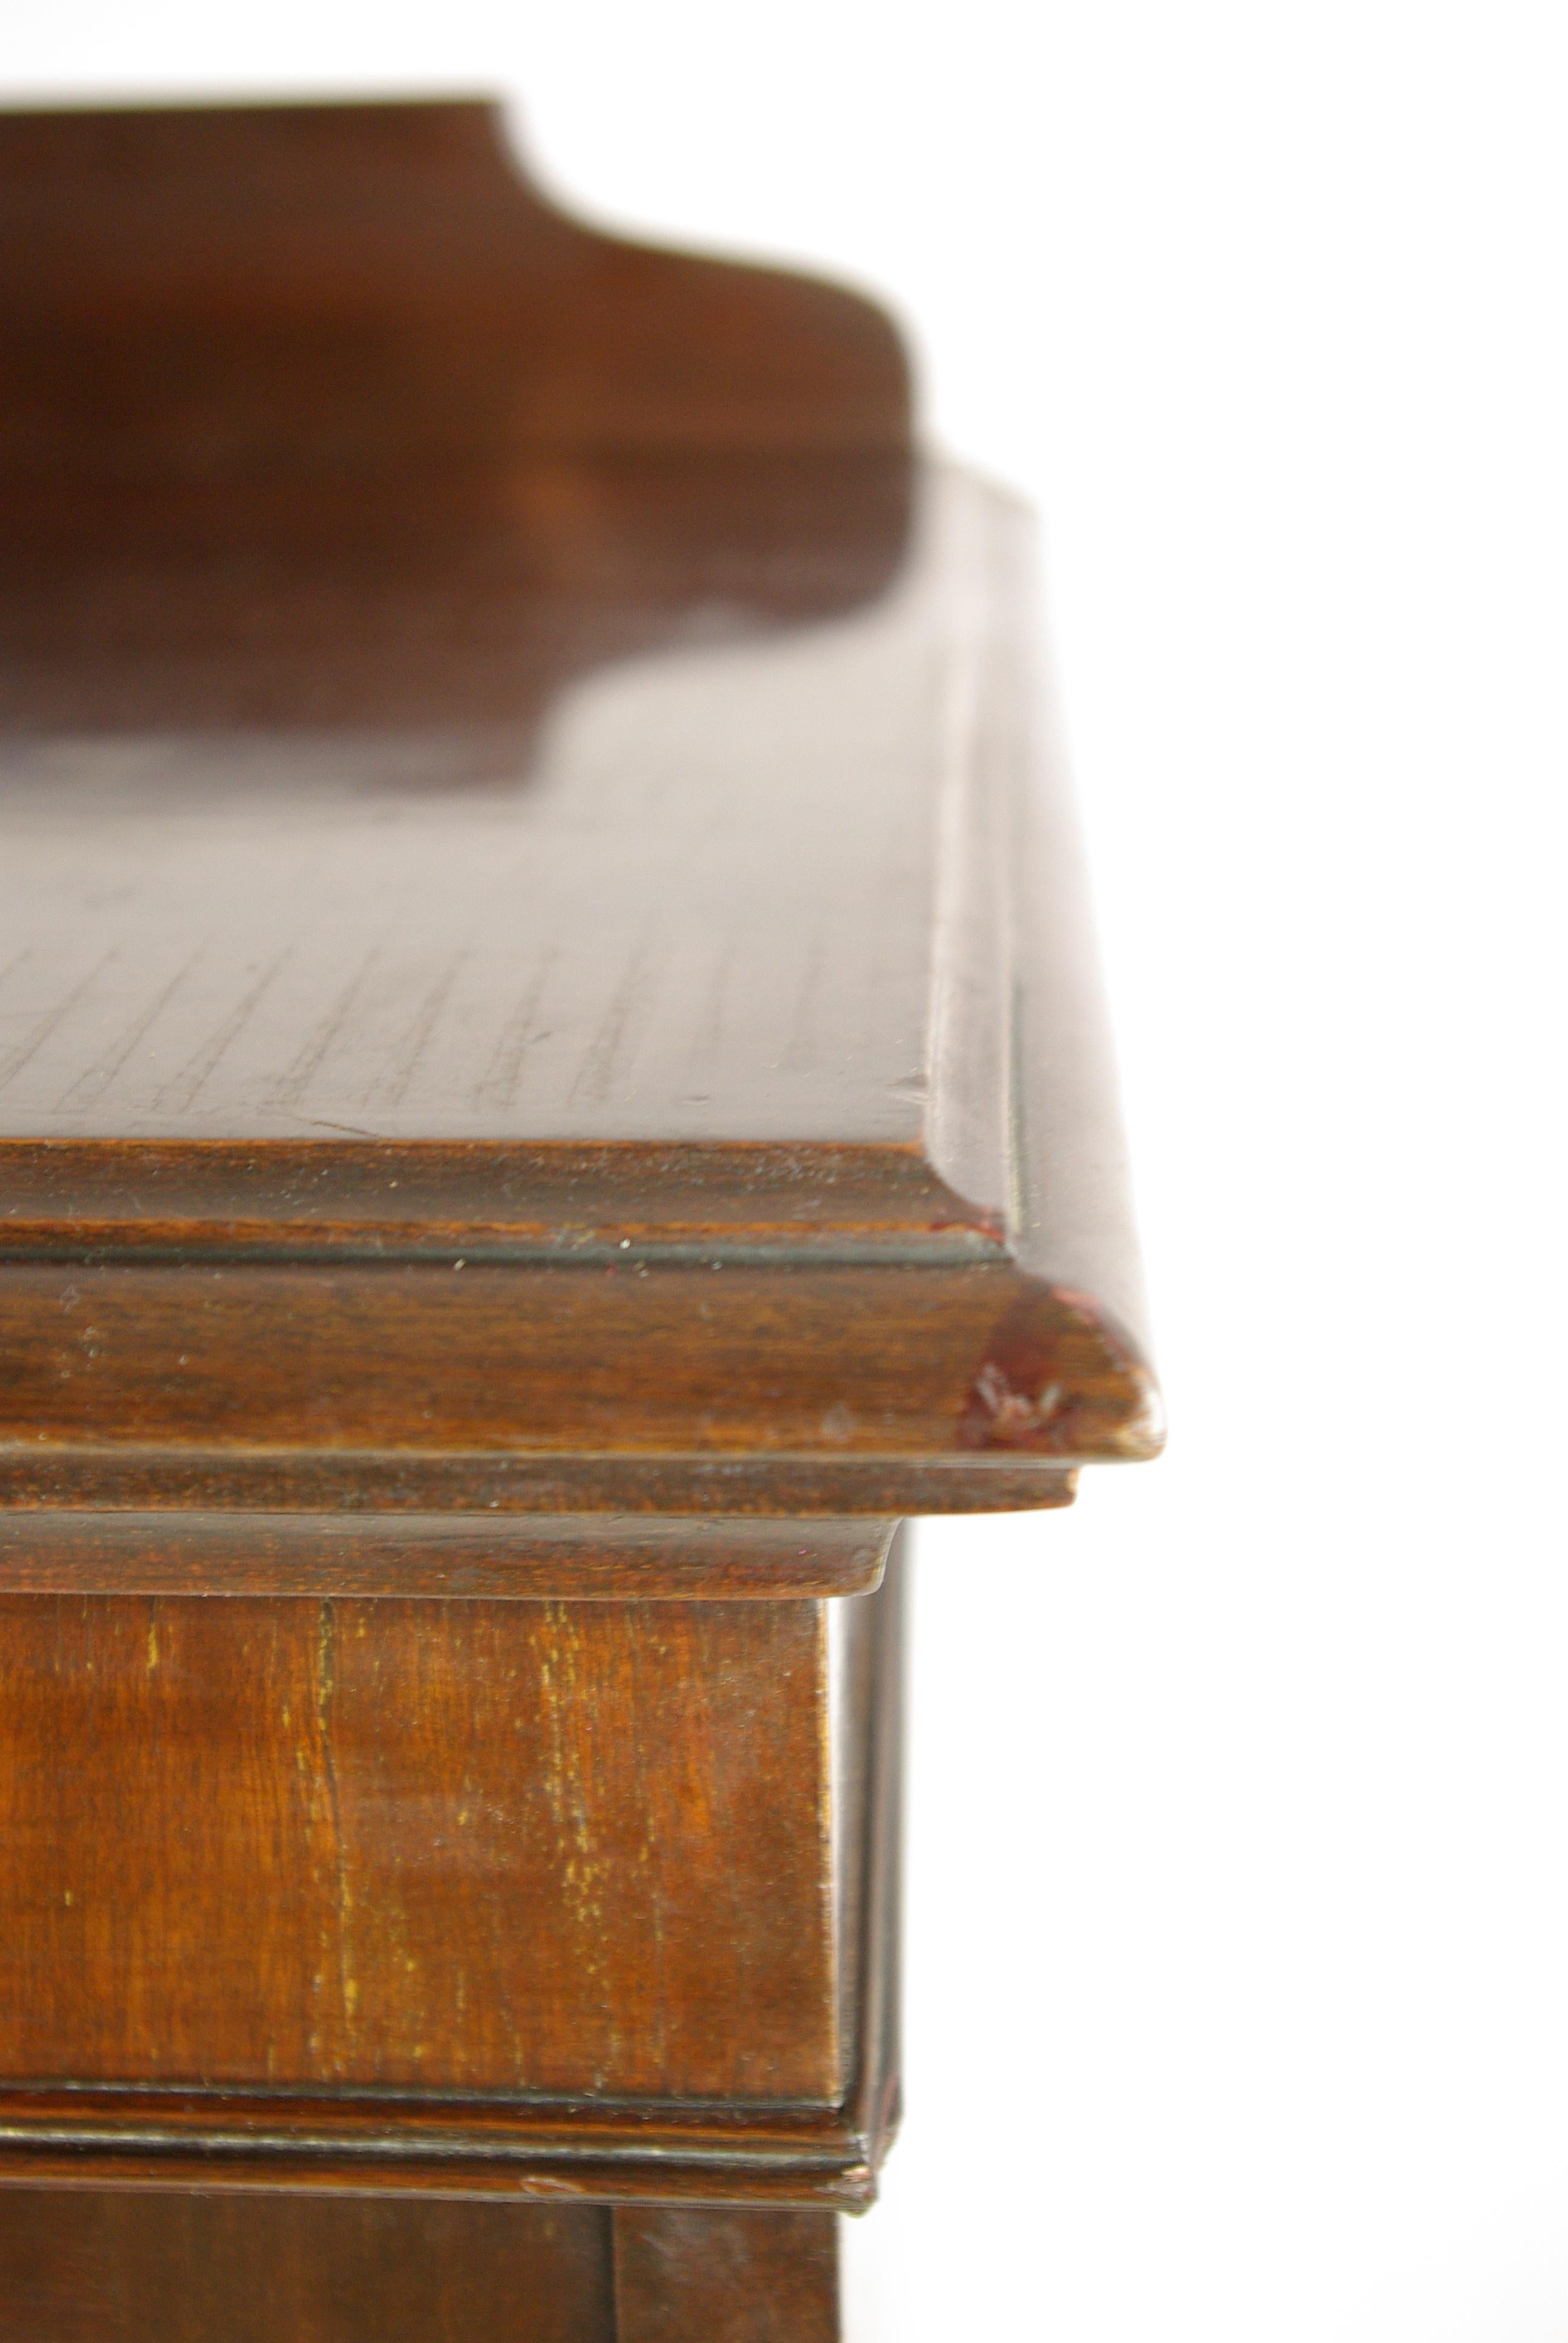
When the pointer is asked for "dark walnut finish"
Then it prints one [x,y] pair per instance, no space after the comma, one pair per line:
[120,2269]
[283,2269]
[477,1553]
[550,1089]
[763,2278]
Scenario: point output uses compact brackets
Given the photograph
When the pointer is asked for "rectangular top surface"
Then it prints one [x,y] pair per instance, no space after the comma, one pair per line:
[508,765]
[694,895]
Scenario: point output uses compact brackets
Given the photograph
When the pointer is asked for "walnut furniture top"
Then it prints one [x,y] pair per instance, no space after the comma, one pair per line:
[540,944]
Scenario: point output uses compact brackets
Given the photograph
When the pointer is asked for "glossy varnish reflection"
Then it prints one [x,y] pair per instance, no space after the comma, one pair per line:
[550,1088]
[352,1106]
[324,416]
[512,804]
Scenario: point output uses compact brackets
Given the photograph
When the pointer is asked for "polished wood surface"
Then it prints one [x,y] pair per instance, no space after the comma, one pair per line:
[385,1484]
[77,2267]
[322,415]
[592,1899]
[720,1355]
[81,2267]
[551,1086]
[379,1844]
[622,928]
[327,289]
[515,797]
[752,1183]
[451,1555]
[726,2277]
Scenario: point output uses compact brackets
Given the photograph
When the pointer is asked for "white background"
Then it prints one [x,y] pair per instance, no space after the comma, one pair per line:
[1239,1933]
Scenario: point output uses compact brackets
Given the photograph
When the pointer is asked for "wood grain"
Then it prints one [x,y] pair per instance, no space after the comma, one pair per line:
[763,1199]
[635,1355]
[81,2267]
[616,926]
[725,2276]
[559,1848]
[512,777]
[384,1484]
[453,1557]
[197,1848]
[85,2267]
[353,287]
[551,1083]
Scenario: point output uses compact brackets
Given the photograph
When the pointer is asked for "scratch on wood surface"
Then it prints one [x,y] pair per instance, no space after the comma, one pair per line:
[185,1087]
[306,1065]
[796,1049]
[706,1045]
[325,1685]
[91,1084]
[393,1091]
[53,1018]
[496,1086]
[593,1076]
[566,1703]
[17,960]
